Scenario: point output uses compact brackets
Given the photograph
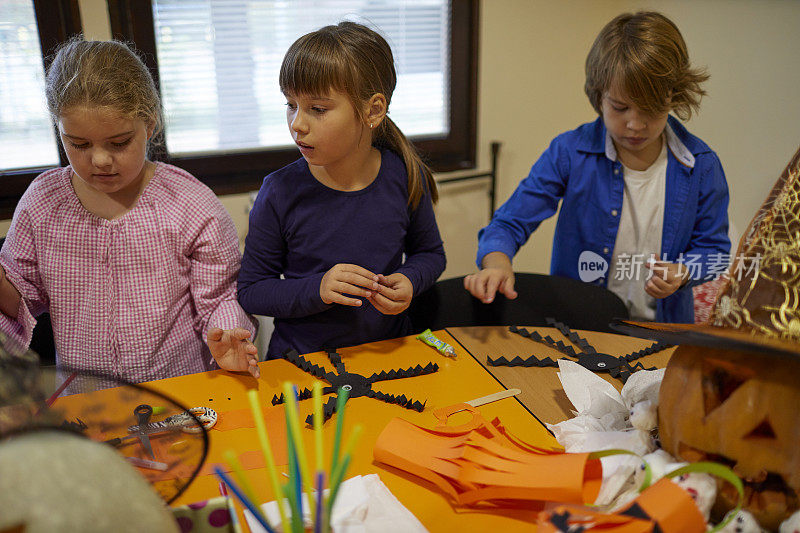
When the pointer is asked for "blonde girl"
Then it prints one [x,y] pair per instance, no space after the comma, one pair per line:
[135,261]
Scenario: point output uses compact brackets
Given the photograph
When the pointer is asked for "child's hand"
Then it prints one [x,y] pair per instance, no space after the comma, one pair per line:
[497,275]
[233,350]
[345,279]
[394,294]
[666,279]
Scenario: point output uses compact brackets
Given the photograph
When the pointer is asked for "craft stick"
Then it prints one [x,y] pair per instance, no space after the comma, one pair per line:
[243,499]
[317,393]
[269,460]
[493,397]
[53,397]
[341,402]
[236,526]
[320,517]
[238,472]
[290,405]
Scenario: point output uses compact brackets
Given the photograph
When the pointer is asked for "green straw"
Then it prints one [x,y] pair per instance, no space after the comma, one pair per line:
[348,452]
[290,404]
[341,401]
[263,439]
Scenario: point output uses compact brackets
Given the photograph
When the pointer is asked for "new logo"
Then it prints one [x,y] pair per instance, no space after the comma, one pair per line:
[591,266]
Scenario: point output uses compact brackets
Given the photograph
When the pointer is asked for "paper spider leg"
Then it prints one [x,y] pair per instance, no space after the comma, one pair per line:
[336,360]
[402,401]
[305,365]
[519,361]
[303,394]
[327,411]
[547,341]
[576,339]
[418,370]
[624,372]
[653,348]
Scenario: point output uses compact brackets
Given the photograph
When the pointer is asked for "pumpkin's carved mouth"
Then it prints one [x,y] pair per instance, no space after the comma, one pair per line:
[768,491]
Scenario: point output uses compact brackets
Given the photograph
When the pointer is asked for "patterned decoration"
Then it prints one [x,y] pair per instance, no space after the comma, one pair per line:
[356,384]
[588,357]
[762,294]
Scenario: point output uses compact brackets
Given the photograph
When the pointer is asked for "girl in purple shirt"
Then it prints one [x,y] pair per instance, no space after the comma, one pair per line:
[342,239]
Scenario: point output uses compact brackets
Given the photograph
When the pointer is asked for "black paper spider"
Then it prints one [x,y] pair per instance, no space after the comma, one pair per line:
[356,384]
[588,357]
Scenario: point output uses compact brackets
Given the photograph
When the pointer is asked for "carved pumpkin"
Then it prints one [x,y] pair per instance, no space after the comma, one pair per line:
[738,408]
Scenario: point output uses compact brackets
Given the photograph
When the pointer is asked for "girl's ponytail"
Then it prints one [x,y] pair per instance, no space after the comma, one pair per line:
[419,174]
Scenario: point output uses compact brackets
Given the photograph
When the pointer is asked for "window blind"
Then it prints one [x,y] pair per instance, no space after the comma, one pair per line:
[26,134]
[218,64]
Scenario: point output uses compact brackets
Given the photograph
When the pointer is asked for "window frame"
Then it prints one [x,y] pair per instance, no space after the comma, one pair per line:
[57,21]
[237,172]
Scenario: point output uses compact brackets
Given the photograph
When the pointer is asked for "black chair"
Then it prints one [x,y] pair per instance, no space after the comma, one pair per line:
[578,305]
[42,341]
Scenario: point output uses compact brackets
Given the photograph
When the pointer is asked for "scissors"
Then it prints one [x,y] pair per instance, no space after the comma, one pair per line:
[143,413]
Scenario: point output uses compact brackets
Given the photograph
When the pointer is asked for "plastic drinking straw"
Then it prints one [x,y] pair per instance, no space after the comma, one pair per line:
[238,472]
[295,483]
[243,499]
[290,403]
[348,452]
[319,518]
[341,402]
[317,393]
[335,482]
[237,528]
[263,439]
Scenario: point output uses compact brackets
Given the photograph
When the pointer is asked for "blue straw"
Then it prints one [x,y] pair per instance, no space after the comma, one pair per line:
[320,486]
[243,499]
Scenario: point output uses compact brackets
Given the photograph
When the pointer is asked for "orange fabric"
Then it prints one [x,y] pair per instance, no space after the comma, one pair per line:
[665,503]
[482,462]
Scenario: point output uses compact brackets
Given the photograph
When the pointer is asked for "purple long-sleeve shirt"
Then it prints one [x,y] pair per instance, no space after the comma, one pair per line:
[299,228]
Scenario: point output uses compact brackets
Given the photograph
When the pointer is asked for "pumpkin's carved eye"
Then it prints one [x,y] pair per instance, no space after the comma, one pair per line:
[762,431]
[720,379]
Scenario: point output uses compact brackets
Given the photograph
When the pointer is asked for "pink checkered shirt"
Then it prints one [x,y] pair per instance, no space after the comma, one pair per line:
[133,297]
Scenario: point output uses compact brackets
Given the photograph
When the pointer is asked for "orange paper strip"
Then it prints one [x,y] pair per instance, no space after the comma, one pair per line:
[480,462]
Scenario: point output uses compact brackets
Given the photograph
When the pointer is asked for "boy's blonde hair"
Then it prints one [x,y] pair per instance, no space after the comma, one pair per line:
[645,56]
[102,74]
[355,60]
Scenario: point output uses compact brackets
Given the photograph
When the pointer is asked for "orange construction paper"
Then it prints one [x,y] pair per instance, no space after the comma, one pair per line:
[663,507]
[481,462]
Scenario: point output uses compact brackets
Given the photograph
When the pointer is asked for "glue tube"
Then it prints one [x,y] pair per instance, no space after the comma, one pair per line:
[442,347]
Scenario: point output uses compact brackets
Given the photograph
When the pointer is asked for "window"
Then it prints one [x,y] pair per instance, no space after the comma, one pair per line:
[26,136]
[217,62]
[28,143]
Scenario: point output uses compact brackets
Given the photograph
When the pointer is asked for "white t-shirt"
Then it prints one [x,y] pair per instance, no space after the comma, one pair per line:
[639,235]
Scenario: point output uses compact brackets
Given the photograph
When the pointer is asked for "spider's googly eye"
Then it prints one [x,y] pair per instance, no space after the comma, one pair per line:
[348,388]
[601,365]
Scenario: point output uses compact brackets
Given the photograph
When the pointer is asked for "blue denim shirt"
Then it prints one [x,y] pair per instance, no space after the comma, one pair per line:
[580,169]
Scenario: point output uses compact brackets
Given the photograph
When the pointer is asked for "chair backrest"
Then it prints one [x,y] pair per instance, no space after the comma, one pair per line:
[42,341]
[577,304]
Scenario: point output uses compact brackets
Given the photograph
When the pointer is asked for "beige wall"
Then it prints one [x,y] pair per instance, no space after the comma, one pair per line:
[530,89]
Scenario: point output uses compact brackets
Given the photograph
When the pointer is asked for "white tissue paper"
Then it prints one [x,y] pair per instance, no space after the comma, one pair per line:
[363,505]
[607,419]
